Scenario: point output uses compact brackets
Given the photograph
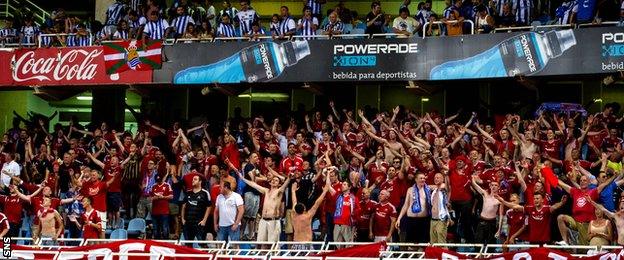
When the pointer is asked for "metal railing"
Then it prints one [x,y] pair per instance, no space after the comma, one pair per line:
[424,28]
[8,7]
[283,249]
[536,28]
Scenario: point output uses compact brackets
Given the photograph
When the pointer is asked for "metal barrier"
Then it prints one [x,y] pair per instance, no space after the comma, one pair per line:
[389,35]
[537,28]
[285,248]
[607,23]
[424,28]
[315,37]
[350,36]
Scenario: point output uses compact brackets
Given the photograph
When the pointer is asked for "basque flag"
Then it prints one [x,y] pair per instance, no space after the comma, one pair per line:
[132,55]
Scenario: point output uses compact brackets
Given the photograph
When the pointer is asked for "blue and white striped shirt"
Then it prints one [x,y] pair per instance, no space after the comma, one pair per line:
[77,41]
[180,23]
[245,19]
[10,35]
[46,41]
[231,12]
[29,33]
[334,27]
[156,30]
[564,12]
[120,35]
[315,6]
[225,30]
[500,4]
[287,25]
[115,12]
[134,5]
[138,23]
[523,11]
[423,16]
[306,29]
[449,10]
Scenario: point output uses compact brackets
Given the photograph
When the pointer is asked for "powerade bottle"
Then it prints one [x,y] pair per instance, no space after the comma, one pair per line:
[523,54]
[258,63]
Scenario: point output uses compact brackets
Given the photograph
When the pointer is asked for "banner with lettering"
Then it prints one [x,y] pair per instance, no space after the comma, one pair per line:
[533,253]
[105,251]
[500,55]
[63,66]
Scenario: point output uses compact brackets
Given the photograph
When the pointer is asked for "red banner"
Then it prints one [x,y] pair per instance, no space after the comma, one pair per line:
[62,66]
[533,253]
[100,250]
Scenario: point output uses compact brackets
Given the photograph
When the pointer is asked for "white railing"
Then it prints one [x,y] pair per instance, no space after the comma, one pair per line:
[608,23]
[424,28]
[532,28]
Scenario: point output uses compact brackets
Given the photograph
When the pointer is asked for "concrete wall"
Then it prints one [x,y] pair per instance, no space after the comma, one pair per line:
[21,102]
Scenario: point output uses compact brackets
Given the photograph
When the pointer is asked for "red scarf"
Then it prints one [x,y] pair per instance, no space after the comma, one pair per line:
[43,212]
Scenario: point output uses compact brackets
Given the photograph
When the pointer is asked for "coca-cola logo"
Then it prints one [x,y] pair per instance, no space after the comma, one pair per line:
[74,64]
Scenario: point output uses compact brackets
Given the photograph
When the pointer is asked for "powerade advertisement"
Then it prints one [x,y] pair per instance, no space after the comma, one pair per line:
[544,53]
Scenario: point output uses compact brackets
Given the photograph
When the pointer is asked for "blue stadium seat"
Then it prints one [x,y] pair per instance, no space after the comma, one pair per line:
[361,26]
[136,227]
[119,234]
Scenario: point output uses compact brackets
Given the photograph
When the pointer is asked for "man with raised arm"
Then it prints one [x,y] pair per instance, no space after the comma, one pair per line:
[269,228]
[302,218]
[538,216]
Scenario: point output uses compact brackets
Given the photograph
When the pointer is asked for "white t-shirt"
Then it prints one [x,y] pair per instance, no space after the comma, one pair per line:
[227,208]
[12,169]
[409,24]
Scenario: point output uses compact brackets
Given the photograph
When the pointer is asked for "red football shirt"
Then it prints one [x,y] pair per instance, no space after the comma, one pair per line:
[13,206]
[161,206]
[97,191]
[375,171]
[583,210]
[516,220]
[539,223]
[382,219]
[87,230]
[37,203]
[109,172]
[367,209]
[397,189]
[349,210]
[290,166]
[4,222]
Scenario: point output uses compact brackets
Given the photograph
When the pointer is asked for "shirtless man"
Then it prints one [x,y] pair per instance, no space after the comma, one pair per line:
[269,228]
[491,207]
[302,218]
[618,217]
[416,210]
[51,223]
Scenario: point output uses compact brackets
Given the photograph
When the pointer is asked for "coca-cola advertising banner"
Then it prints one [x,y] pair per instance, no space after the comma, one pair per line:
[62,66]
[500,55]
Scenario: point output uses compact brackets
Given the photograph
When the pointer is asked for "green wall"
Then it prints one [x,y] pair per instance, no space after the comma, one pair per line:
[21,101]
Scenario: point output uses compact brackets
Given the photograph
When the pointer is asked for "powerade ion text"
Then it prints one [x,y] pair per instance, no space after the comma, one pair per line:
[365,55]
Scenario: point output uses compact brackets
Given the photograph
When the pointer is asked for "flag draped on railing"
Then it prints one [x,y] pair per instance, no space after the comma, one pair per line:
[132,55]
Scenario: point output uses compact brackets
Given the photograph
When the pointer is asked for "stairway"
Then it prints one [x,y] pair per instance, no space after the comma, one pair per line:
[10,8]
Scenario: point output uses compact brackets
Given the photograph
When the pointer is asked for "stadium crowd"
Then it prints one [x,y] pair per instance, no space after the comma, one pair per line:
[363,175]
[195,19]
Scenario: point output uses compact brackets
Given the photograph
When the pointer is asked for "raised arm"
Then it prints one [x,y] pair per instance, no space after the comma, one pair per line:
[559,204]
[508,204]
[96,161]
[476,186]
[564,186]
[253,184]
[599,206]
[317,203]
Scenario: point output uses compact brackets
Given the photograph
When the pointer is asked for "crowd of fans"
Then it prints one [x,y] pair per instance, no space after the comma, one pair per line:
[195,19]
[363,175]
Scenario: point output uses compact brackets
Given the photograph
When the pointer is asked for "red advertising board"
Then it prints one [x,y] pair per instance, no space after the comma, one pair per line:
[62,66]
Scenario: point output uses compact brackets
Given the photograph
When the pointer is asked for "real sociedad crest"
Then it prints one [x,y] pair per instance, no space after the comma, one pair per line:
[132,56]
